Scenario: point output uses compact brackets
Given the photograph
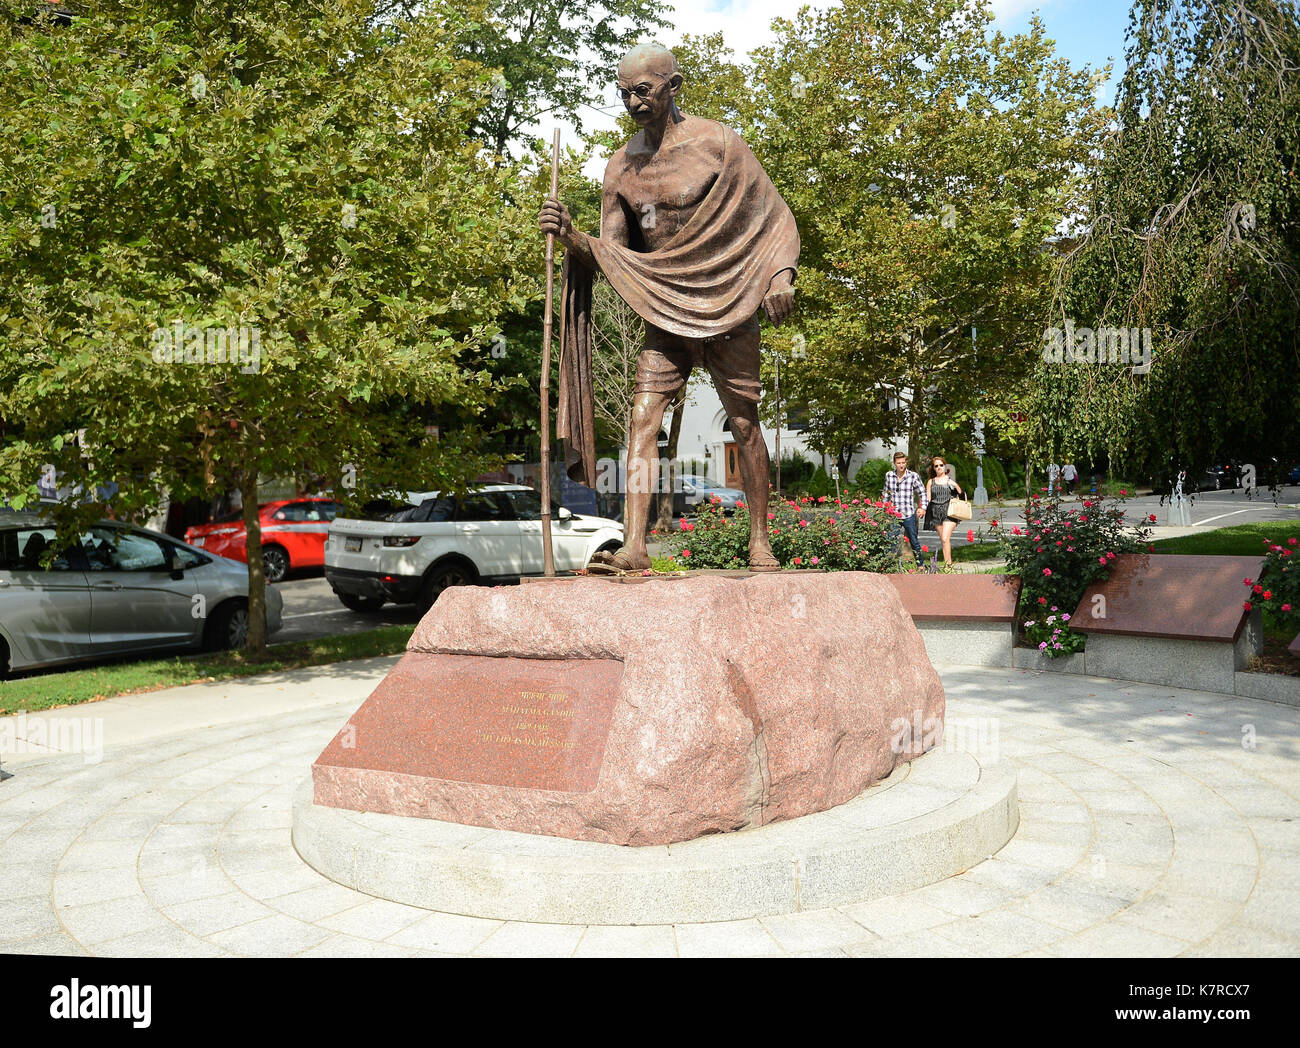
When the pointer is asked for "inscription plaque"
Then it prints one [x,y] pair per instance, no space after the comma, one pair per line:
[534,723]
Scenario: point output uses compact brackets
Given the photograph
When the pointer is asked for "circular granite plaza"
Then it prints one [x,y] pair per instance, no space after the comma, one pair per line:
[1151,822]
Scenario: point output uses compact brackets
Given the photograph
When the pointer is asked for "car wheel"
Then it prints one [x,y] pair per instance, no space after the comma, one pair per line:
[441,578]
[275,563]
[228,630]
[364,605]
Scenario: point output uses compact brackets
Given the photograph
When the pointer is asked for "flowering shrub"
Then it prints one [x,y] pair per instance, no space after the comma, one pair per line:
[820,533]
[1277,590]
[1063,547]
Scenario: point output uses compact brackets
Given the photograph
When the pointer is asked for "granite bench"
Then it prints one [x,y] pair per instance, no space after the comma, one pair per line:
[967,619]
[1172,619]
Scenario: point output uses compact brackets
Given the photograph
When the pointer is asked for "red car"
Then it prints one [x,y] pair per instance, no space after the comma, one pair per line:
[293,535]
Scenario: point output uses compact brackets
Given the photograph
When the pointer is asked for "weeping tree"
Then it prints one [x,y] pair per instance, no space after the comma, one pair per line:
[1191,238]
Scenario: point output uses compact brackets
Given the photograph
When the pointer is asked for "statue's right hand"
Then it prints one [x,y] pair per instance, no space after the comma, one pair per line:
[554,219]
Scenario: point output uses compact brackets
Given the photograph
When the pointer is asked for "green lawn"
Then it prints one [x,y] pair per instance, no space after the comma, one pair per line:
[48,690]
[1240,540]
[984,551]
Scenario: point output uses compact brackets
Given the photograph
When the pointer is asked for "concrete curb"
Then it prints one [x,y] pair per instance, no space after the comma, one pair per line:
[930,820]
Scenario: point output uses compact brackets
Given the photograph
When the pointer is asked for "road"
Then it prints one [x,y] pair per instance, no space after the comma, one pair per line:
[311,610]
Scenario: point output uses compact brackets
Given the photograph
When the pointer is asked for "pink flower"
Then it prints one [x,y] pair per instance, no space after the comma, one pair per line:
[1286,607]
[1016,531]
[1246,605]
[798,560]
[826,542]
[1065,618]
[1110,556]
[1247,582]
[1087,504]
[970,534]
[1047,571]
[815,560]
[1101,560]
[1042,600]
[1122,491]
[686,553]
[1291,541]
[1258,589]
[1268,594]
[1042,646]
[771,516]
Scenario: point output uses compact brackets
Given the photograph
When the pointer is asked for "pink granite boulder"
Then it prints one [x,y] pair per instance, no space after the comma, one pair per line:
[712,704]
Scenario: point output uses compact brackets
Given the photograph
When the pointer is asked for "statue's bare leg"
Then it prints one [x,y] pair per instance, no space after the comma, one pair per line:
[754,467]
[642,466]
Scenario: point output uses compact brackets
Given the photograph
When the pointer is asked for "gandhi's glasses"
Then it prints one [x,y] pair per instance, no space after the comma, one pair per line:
[641,91]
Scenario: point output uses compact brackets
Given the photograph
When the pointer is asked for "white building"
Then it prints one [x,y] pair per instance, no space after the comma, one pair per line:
[706,432]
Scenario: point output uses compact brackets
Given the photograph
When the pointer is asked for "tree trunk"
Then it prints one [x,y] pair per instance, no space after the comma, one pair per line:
[914,417]
[256,647]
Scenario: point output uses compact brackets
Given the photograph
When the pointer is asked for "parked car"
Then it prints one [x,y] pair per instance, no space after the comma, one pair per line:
[119,590]
[696,490]
[1293,477]
[493,534]
[293,535]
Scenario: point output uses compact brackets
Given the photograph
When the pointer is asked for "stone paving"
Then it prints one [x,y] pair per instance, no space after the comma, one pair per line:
[1154,822]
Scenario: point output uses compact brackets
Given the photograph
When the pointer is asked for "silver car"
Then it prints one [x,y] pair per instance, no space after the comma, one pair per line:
[120,590]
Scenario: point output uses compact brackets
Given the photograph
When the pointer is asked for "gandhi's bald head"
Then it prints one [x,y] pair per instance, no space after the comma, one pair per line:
[652,58]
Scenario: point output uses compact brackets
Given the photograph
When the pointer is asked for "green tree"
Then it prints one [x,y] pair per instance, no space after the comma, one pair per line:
[1193,232]
[549,56]
[299,180]
[928,163]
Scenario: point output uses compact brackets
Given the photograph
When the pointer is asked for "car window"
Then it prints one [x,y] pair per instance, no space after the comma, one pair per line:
[527,504]
[484,506]
[22,549]
[184,556]
[294,513]
[116,549]
[327,510]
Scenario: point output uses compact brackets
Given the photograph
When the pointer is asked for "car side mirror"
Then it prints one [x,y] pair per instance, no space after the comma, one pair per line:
[174,566]
[565,514]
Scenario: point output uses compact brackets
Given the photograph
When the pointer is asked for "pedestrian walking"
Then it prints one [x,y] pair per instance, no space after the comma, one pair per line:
[940,487]
[904,492]
[1053,478]
[1069,475]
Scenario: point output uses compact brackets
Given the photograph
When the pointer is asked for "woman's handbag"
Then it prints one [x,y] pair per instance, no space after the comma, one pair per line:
[959,509]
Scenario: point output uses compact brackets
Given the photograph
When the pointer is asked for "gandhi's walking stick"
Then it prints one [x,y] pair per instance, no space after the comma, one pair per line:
[548,555]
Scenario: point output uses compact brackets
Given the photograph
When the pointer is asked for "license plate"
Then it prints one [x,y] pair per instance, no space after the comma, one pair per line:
[352,545]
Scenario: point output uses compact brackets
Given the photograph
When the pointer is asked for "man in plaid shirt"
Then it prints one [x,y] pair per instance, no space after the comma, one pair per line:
[905,492]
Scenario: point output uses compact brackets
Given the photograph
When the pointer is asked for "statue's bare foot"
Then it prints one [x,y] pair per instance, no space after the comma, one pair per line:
[623,560]
[761,559]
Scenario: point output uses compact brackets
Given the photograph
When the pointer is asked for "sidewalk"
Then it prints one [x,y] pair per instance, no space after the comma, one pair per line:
[1148,828]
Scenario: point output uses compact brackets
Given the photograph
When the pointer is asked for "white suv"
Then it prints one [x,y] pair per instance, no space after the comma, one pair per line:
[493,534]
